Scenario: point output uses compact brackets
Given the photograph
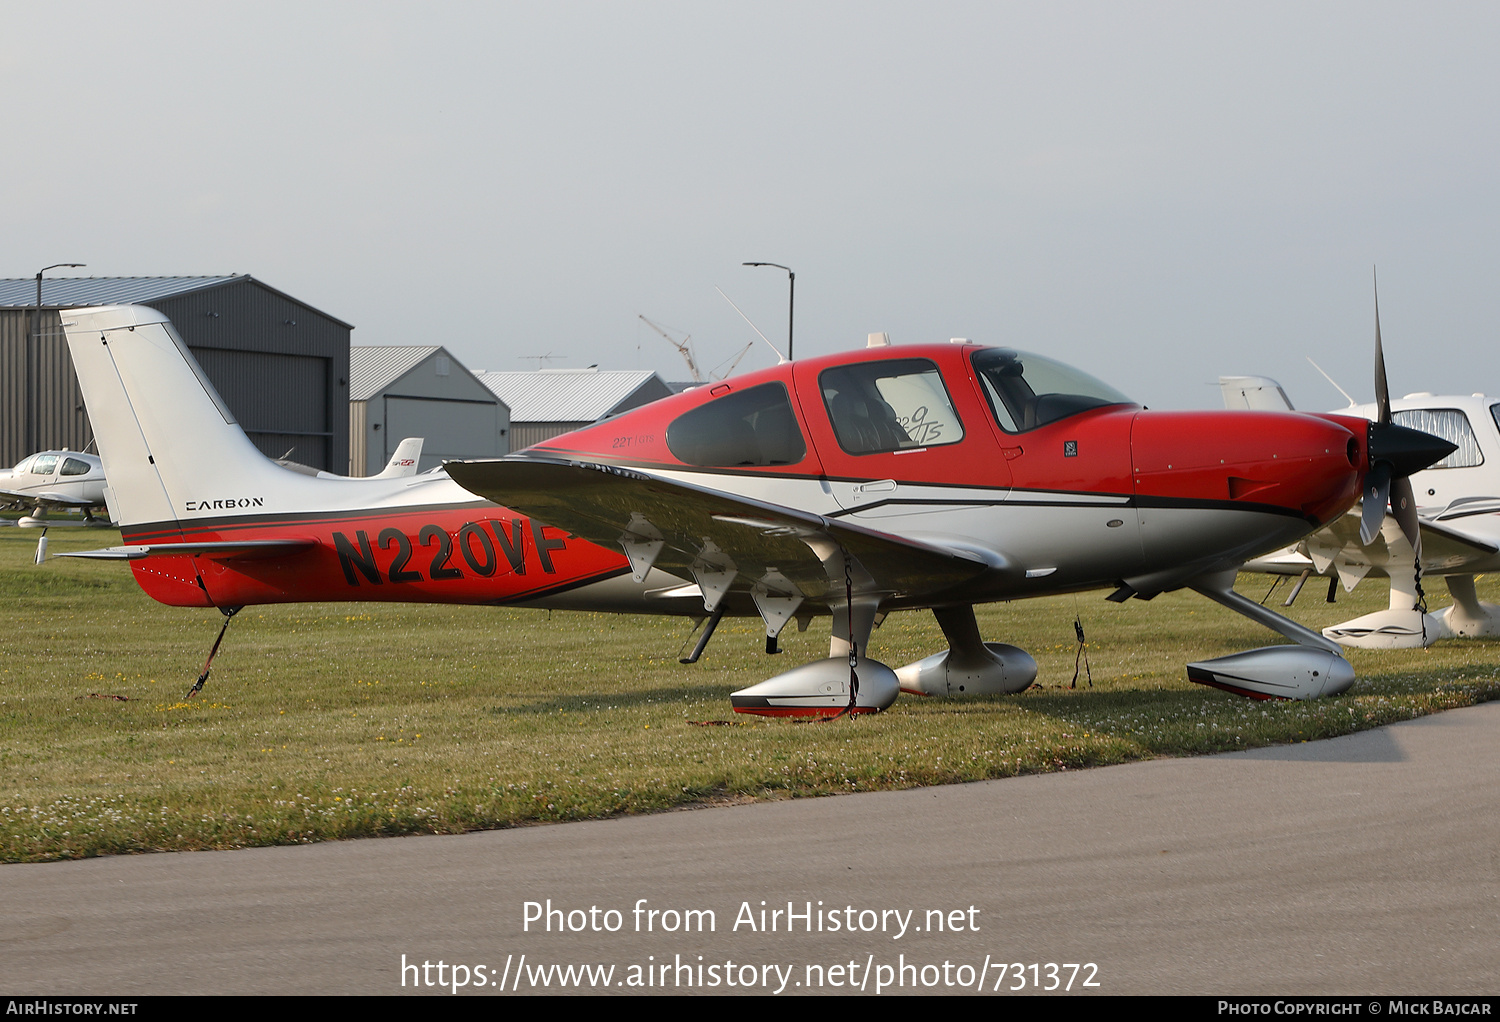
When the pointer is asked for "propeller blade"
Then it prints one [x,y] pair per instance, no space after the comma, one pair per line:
[1382,392]
[1404,507]
[1395,453]
[1376,496]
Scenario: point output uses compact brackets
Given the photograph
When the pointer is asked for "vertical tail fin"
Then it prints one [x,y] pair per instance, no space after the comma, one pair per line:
[168,441]
[1257,393]
[404,462]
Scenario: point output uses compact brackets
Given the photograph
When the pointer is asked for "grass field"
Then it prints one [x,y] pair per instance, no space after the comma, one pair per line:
[335,721]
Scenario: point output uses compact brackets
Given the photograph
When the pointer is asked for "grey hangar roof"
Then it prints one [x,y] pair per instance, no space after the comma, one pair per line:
[374,368]
[572,395]
[67,292]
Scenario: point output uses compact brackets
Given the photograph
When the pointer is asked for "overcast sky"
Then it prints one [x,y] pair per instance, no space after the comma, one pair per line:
[1156,192]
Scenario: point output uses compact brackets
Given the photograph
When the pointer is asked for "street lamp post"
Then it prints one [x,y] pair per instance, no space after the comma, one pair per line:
[36,336]
[791,301]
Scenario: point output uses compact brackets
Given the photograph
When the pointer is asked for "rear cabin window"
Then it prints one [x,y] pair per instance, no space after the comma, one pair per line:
[74,467]
[748,428]
[1450,424]
[892,405]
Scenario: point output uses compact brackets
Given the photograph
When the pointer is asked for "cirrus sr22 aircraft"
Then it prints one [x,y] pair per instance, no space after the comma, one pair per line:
[53,481]
[930,476]
[1453,532]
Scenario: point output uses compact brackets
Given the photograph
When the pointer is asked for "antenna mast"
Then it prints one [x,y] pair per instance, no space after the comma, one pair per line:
[541,360]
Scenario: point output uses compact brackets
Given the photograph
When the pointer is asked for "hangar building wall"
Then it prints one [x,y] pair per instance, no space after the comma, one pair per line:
[281,365]
[400,391]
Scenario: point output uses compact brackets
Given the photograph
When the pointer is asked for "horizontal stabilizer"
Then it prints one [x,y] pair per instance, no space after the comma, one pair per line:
[251,549]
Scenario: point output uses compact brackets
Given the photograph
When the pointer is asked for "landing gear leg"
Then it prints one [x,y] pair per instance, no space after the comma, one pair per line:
[1312,668]
[229,613]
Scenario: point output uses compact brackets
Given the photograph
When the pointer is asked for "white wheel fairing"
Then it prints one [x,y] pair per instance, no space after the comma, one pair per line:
[1276,672]
[820,688]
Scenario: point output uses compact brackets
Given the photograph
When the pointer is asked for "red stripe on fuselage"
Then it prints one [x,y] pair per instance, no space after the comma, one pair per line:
[804,711]
[474,555]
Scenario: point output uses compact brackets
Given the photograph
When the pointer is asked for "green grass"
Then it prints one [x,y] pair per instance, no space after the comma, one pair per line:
[334,721]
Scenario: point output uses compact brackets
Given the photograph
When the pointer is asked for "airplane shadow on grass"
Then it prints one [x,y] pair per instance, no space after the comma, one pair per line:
[594,702]
[1177,722]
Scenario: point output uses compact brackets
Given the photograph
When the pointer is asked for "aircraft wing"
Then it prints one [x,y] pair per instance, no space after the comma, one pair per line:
[1446,548]
[34,497]
[723,540]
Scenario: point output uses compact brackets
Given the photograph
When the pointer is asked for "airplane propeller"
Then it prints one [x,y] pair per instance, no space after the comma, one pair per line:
[1395,453]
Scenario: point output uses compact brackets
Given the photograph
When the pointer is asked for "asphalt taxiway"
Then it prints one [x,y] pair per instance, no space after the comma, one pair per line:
[1359,865]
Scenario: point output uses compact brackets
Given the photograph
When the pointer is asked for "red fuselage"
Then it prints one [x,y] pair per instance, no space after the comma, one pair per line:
[1161,485]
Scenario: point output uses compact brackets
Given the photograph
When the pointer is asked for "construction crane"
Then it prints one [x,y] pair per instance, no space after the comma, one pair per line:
[682,346]
[732,365]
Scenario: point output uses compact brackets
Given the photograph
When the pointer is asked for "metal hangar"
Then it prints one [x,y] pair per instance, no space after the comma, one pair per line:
[398,391]
[281,365]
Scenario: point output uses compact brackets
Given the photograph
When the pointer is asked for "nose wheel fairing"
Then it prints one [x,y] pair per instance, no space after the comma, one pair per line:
[1276,672]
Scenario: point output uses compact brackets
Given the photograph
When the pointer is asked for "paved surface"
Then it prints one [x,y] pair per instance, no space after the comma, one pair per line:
[1360,865]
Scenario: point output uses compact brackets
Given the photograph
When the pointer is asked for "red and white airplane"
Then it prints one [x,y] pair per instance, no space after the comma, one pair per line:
[941,476]
[209,521]
[922,476]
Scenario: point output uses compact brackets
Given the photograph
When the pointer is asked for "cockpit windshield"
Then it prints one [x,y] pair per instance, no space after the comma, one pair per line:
[1026,391]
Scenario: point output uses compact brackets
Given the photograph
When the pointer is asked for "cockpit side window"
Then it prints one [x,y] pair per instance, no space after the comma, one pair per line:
[890,405]
[44,465]
[1026,391]
[746,428]
[1450,424]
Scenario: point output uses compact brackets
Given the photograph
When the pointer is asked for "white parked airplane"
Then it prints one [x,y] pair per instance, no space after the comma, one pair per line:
[54,479]
[402,464]
[50,481]
[1457,510]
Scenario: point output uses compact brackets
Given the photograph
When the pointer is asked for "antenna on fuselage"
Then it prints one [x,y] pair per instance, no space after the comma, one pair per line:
[1336,387]
[780,358]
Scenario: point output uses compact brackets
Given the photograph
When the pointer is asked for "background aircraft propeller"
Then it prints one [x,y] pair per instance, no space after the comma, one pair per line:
[1395,453]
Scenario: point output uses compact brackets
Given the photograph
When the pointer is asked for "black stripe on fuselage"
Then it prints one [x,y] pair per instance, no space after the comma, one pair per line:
[1158,503]
[149,531]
